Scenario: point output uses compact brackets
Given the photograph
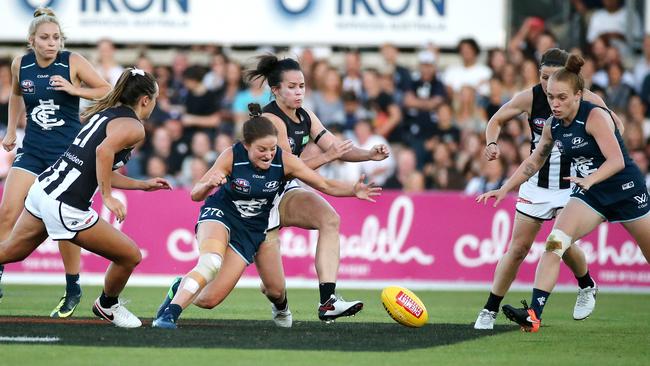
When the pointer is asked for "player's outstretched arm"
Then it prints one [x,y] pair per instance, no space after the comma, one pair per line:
[295,168]
[519,104]
[213,178]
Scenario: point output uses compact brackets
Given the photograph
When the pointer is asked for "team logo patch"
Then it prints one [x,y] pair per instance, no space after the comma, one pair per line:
[241,185]
[272,185]
[539,122]
[27,86]
[559,146]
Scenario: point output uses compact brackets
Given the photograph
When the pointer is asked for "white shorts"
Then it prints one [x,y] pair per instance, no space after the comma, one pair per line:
[62,221]
[274,216]
[541,203]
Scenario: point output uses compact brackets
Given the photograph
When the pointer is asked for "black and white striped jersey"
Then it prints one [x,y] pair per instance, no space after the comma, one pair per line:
[73,178]
[556,166]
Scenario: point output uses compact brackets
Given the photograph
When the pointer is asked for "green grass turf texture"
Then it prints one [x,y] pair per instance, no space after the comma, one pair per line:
[240,332]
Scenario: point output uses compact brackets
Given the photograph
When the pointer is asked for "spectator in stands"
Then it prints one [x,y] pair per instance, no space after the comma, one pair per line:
[509,81]
[365,138]
[222,142]
[257,92]
[617,93]
[447,132]
[497,61]
[493,174]
[642,66]
[156,167]
[161,146]
[636,114]
[382,105]
[525,40]
[338,169]
[441,174]
[105,64]
[316,81]
[545,41]
[227,93]
[198,168]
[201,104]
[529,73]
[470,155]
[641,160]
[407,177]
[352,109]
[615,23]
[352,77]
[427,93]
[216,77]
[327,102]
[401,75]
[469,115]
[471,72]
[179,64]
[144,63]
[200,149]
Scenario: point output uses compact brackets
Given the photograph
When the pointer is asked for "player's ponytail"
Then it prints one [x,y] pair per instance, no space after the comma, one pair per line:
[132,84]
[257,127]
[570,73]
[269,67]
[42,16]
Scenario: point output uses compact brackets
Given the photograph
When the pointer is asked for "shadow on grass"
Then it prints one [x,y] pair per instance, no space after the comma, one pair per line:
[241,334]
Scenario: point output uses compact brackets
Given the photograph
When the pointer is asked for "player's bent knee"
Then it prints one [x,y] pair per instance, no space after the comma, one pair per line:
[558,242]
[330,219]
[518,252]
[208,265]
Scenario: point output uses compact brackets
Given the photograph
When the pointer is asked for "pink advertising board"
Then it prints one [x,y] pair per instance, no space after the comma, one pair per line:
[426,240]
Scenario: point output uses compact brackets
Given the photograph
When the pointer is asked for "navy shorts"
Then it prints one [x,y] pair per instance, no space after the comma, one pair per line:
[628,209]
[31,162]
[243,240]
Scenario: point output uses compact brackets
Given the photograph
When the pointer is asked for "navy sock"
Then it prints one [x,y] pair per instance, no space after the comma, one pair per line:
[540,297]
[175,310]
[107,301]
[326,291]
[2,269]
[586,281]
[493,302]
[72,284]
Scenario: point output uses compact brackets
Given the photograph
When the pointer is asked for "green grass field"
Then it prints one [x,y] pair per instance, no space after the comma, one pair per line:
[240,332]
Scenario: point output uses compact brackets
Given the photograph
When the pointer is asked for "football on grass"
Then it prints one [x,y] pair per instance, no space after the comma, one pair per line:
[404,307]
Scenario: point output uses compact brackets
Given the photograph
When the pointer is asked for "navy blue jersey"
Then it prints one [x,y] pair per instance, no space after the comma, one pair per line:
[298,133]
[73,178]
[52,115]
[575,143]
[248,194]
[557,165]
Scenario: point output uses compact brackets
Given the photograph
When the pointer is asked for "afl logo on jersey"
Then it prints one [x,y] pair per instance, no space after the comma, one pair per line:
[241,185]
[539,122]
[27,86]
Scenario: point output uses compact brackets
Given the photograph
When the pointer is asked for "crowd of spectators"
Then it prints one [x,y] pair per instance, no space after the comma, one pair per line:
[433,116]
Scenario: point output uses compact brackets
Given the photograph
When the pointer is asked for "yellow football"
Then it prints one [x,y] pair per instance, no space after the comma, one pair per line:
[404,307]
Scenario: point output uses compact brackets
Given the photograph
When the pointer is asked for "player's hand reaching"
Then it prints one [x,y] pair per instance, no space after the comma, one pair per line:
[379,152]
[116,207]
[9,141]
[583,183]
[365,191]
[58,82]
[492,152]
[216,180]
[497,194]
[155,184]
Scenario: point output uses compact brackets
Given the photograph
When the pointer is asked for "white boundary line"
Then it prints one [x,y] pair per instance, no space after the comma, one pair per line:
[30,339]
[253,282]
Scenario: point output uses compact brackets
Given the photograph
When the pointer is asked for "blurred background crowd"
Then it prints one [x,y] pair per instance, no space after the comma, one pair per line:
[430,105]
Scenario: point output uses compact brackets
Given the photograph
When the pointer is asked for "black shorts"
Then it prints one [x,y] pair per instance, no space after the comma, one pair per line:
[628,209]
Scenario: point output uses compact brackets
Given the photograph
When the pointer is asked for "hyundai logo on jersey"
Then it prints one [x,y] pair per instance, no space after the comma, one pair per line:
[272,184]
[241,185]
[577,140]
[27,86]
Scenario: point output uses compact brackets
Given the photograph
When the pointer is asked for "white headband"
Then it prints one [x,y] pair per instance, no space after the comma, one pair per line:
[135,71]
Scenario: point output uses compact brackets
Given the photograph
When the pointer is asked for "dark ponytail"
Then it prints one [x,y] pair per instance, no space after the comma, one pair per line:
[257,127]
[554,57]
[271,68]
[570,73]
[132,84]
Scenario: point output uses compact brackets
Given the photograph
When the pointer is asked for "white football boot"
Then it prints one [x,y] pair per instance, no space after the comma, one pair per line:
[282,318]
[486,319]
[585,303]
[117,314]
[336,307]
